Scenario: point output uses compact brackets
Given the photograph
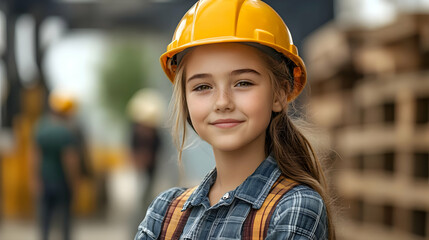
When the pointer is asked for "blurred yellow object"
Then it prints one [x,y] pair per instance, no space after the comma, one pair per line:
[62,102]
[107,158]
[84,201]
[17,200]
[147,107]
[249,21]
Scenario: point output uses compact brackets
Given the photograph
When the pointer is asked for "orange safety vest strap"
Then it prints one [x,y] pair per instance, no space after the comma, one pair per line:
[255,226]
[175,220]
[258,220]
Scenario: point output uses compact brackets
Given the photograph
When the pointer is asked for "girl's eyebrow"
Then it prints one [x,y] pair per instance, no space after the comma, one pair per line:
[199,75]
[233,73]
[245,70]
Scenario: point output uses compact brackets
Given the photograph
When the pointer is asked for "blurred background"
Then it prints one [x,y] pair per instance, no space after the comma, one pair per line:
[368,97]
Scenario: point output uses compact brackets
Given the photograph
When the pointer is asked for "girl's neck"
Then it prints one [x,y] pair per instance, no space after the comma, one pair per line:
[235,166]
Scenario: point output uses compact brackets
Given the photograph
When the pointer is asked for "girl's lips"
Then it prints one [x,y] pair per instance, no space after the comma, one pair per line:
[226,123]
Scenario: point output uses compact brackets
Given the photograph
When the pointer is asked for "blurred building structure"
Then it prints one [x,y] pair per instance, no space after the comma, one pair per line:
[370,90]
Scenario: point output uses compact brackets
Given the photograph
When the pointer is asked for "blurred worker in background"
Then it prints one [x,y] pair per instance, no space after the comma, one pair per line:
[56,163]
[146,111]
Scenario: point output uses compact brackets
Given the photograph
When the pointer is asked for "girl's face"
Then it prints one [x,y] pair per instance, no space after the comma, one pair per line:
[229,95]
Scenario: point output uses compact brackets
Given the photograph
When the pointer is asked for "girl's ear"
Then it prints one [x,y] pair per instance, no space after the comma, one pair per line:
[279,101]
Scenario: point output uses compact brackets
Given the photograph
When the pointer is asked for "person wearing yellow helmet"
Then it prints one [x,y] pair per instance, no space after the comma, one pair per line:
[56,163]
[235,70]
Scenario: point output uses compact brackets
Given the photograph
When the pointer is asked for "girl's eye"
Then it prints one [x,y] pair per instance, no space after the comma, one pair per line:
[201,88]
[243,84]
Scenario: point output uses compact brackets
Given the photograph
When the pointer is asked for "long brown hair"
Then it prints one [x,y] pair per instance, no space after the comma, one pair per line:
[294,154]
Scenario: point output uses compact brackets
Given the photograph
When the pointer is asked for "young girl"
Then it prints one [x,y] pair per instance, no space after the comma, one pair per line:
[235,69]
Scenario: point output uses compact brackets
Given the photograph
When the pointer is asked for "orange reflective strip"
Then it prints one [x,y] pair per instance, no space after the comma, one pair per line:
[261,214]
[270,204]
[174,216]
[284,186]
[260,219]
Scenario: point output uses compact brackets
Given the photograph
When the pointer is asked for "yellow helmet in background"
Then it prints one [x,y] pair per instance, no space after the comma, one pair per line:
[62,102]
[247,21]
[147,107]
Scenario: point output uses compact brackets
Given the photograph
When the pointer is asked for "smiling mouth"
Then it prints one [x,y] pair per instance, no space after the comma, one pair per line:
[226,123]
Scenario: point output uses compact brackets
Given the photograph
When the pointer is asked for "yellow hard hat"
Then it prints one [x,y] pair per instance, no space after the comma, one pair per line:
[62,101]
[221,21]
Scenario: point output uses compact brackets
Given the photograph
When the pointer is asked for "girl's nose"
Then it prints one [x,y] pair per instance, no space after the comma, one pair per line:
[224,100]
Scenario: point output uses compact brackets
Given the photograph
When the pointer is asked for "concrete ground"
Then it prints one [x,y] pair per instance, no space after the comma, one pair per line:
[82,230]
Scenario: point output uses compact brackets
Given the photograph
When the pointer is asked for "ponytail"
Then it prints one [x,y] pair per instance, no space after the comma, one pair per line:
[294,154]
[297,160]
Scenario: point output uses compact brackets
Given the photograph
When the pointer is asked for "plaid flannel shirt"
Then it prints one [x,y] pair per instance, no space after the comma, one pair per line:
[300,214]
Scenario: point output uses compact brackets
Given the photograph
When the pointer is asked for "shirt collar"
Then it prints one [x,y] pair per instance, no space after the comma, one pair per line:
[253,190]
[202,191]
